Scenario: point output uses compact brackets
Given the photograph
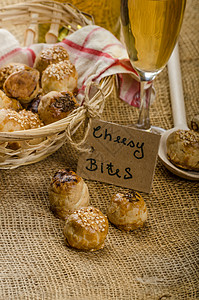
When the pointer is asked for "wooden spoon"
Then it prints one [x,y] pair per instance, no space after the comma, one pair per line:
[179,116]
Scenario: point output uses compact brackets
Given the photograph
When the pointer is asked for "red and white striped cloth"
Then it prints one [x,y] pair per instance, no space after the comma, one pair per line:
[95,52]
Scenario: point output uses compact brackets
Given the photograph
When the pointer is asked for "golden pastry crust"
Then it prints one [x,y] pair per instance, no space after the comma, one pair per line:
[30,119]
[56,105]
[10,103]
[67,193]
[22,85]
[183,149]
[127,211]
[8,69]
[59,77]
[86,229]
[11,120]
[51,55]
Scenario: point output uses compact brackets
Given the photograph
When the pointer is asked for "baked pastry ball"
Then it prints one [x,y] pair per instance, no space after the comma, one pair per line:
[127,211]
[8,69]
[30,120]
[183,149]
[86,229]
[67,193]
[22,85]
[59,77]
[6,102]
[56,105]
[11,120]
[48,56]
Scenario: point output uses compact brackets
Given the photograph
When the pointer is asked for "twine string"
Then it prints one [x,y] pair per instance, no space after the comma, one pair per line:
[90,110]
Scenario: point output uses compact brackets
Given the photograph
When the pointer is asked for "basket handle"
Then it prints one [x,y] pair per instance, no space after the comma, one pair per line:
[31,31]
[53,33]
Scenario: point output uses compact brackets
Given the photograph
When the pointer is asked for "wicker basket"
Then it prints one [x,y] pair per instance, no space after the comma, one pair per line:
[24,18]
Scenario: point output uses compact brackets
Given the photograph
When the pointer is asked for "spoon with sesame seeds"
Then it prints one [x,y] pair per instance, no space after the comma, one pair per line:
[179,117]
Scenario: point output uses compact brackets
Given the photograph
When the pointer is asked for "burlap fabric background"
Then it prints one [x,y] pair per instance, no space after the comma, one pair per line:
[157,262]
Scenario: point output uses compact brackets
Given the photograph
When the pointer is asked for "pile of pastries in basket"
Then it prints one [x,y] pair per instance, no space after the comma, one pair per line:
[33,97]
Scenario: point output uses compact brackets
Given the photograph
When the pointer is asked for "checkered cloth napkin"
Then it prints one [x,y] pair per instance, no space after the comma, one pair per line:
[95,52]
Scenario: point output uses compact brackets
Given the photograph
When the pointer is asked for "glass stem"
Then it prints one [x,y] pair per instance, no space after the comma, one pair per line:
[145,97]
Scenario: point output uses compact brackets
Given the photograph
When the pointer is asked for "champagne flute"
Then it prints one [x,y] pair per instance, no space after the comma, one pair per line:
[150,30]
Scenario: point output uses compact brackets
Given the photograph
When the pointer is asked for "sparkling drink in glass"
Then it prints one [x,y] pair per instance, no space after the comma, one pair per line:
[150,30]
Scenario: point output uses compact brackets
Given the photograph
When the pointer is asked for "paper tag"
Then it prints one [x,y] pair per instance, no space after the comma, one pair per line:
[122,156]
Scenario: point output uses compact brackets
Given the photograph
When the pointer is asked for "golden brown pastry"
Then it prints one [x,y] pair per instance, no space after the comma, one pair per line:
[127,211]
[48,56]
[22,85]
[11,120]
[67,192]
[56,105]
[31,120]
[6,102]
[183,149]
[86,229]
[8,69]
[59,77]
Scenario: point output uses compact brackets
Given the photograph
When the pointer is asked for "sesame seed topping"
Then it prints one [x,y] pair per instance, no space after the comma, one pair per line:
[59,71]
[22,118]
[90,217]
[188,136]
[56,53]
